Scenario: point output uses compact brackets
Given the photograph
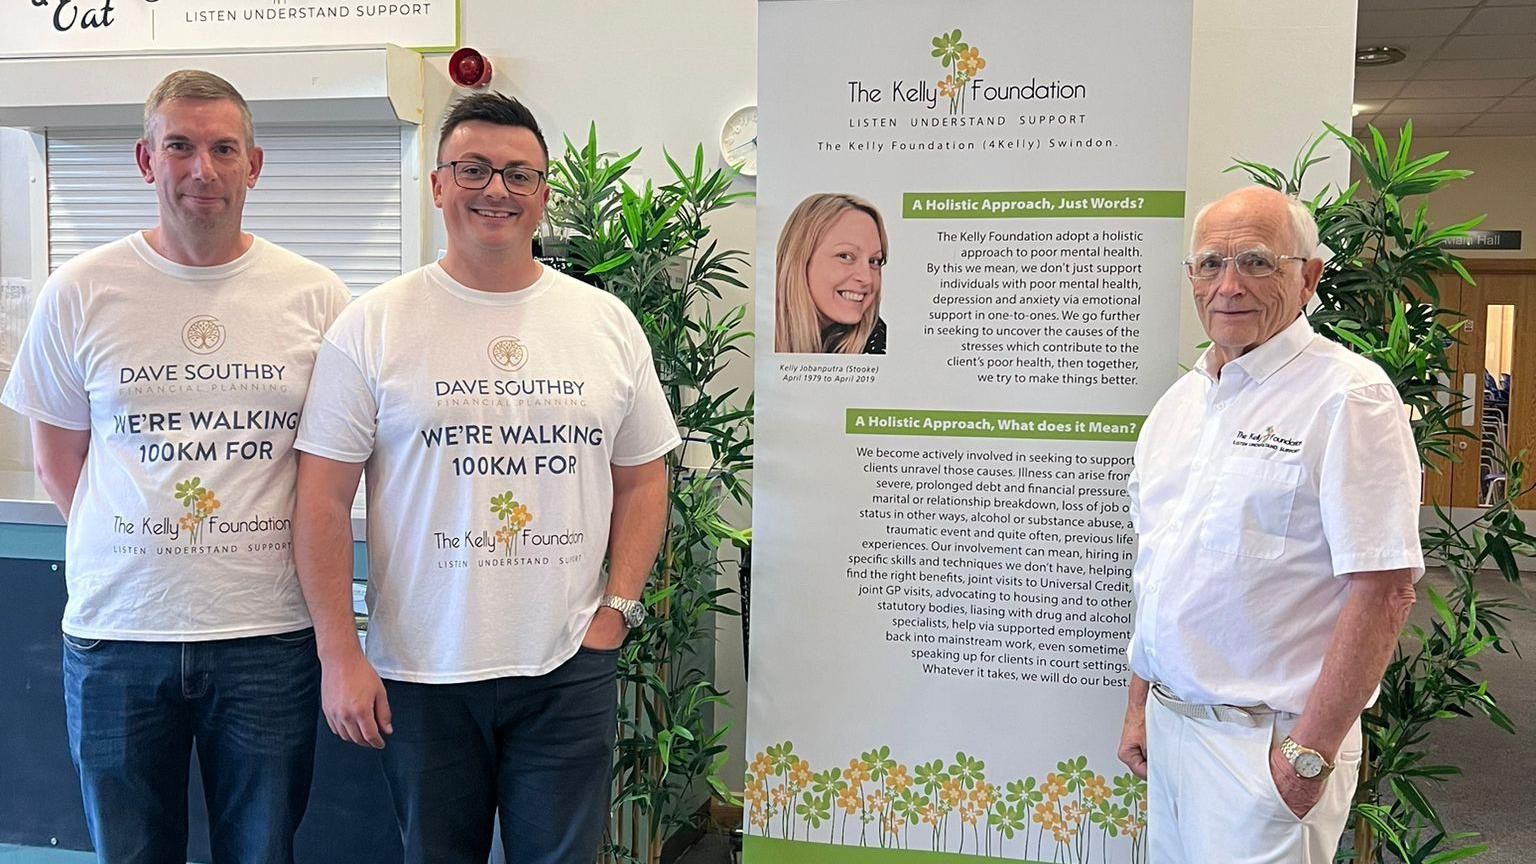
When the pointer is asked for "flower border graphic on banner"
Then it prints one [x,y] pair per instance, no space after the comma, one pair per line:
[944,806]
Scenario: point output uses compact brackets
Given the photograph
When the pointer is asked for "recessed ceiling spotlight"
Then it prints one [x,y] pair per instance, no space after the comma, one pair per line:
[1379,55]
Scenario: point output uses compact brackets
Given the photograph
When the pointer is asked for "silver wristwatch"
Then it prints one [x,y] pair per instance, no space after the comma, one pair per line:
[632,610]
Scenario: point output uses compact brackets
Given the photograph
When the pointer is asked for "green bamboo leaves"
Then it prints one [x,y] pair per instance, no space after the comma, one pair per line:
[650,245]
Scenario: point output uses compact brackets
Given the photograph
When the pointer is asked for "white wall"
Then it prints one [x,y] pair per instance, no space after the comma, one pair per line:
[1264,78]
[661,74]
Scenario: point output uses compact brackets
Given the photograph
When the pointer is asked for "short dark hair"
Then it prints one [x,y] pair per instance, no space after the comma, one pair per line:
[491,107]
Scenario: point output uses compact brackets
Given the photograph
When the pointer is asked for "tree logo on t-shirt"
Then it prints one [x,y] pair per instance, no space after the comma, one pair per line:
[507,353]
[200,504]
[514,516]
[203,334]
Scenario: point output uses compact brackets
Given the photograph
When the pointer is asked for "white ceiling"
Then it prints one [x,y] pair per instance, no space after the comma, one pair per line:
[1471,67]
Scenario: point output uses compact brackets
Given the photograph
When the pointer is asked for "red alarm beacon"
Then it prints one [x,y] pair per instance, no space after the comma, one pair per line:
[469,68]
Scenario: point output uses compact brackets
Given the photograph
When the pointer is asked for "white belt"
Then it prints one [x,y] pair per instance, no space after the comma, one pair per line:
[1246,715]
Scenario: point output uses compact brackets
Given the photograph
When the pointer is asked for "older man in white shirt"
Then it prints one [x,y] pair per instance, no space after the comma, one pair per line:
[1276,496]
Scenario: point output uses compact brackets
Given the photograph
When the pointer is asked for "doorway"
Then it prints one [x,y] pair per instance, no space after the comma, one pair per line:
[1495,370]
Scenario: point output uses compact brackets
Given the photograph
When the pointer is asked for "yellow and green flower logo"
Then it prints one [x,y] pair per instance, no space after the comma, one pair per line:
[514,517]
[946,806]
[200,504]
[963,61]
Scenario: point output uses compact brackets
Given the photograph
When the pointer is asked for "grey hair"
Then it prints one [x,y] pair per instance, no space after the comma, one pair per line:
[1303,225]
[196,84]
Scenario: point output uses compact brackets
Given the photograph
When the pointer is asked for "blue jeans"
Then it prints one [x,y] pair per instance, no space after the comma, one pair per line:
[538,749]
[135,711]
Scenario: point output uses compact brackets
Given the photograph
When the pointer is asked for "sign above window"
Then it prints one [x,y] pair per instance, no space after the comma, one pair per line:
[41,28]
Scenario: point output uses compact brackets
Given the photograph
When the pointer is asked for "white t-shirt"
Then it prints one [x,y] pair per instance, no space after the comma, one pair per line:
[489,422]
[190,380]
[1252,494]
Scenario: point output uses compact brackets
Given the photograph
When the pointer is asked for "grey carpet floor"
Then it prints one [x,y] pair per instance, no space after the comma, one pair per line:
[1496,794]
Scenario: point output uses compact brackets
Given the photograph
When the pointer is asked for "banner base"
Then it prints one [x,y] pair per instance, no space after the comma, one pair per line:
[771,850]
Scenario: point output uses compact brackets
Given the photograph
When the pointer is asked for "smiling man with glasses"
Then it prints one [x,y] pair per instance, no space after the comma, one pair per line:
[513,428]
[1276,499]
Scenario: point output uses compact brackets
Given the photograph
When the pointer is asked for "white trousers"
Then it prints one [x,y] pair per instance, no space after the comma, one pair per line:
[1211,798]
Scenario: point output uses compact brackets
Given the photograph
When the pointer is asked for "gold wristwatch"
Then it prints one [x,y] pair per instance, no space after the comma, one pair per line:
[1306,762]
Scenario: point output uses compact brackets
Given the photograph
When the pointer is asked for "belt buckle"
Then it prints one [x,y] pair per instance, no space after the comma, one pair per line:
[1205,711]
[1238,714]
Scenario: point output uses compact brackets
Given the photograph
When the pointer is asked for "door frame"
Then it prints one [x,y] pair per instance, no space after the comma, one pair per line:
[1459,485]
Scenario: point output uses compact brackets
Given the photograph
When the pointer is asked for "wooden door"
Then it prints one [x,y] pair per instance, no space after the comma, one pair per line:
[1496,370]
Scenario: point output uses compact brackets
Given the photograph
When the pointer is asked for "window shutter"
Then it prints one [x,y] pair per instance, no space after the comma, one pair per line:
[331,194]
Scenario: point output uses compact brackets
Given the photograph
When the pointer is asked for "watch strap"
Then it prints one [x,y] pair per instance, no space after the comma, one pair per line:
[632,610]
[1292,750]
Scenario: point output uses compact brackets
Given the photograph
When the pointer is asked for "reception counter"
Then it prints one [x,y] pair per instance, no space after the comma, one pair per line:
[350,818]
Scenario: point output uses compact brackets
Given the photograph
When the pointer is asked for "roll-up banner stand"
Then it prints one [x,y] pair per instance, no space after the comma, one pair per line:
[991,193]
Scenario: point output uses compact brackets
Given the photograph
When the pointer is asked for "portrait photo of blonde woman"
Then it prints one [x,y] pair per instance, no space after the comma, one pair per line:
[830,256]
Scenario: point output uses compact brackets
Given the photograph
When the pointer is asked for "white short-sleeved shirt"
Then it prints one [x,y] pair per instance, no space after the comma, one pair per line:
[489,422]
[1252,494]
[190,380]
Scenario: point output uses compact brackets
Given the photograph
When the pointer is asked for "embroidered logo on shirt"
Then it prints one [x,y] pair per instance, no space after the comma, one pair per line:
[507,353]
[202,334]
[1268,439]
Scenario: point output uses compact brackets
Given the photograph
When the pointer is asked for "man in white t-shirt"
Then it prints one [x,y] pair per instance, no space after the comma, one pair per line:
[164,374]
[513,431]
[1276,498]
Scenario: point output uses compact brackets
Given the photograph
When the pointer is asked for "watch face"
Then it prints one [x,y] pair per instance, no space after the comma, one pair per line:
[1308,765]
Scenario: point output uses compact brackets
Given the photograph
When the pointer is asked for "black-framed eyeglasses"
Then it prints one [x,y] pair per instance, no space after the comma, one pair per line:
[1254,264]
[474,174]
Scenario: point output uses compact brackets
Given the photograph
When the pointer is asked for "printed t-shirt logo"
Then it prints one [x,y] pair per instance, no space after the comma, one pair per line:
[507,353]
[202,334]
[513,515]
[200,504]
[1268,439]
